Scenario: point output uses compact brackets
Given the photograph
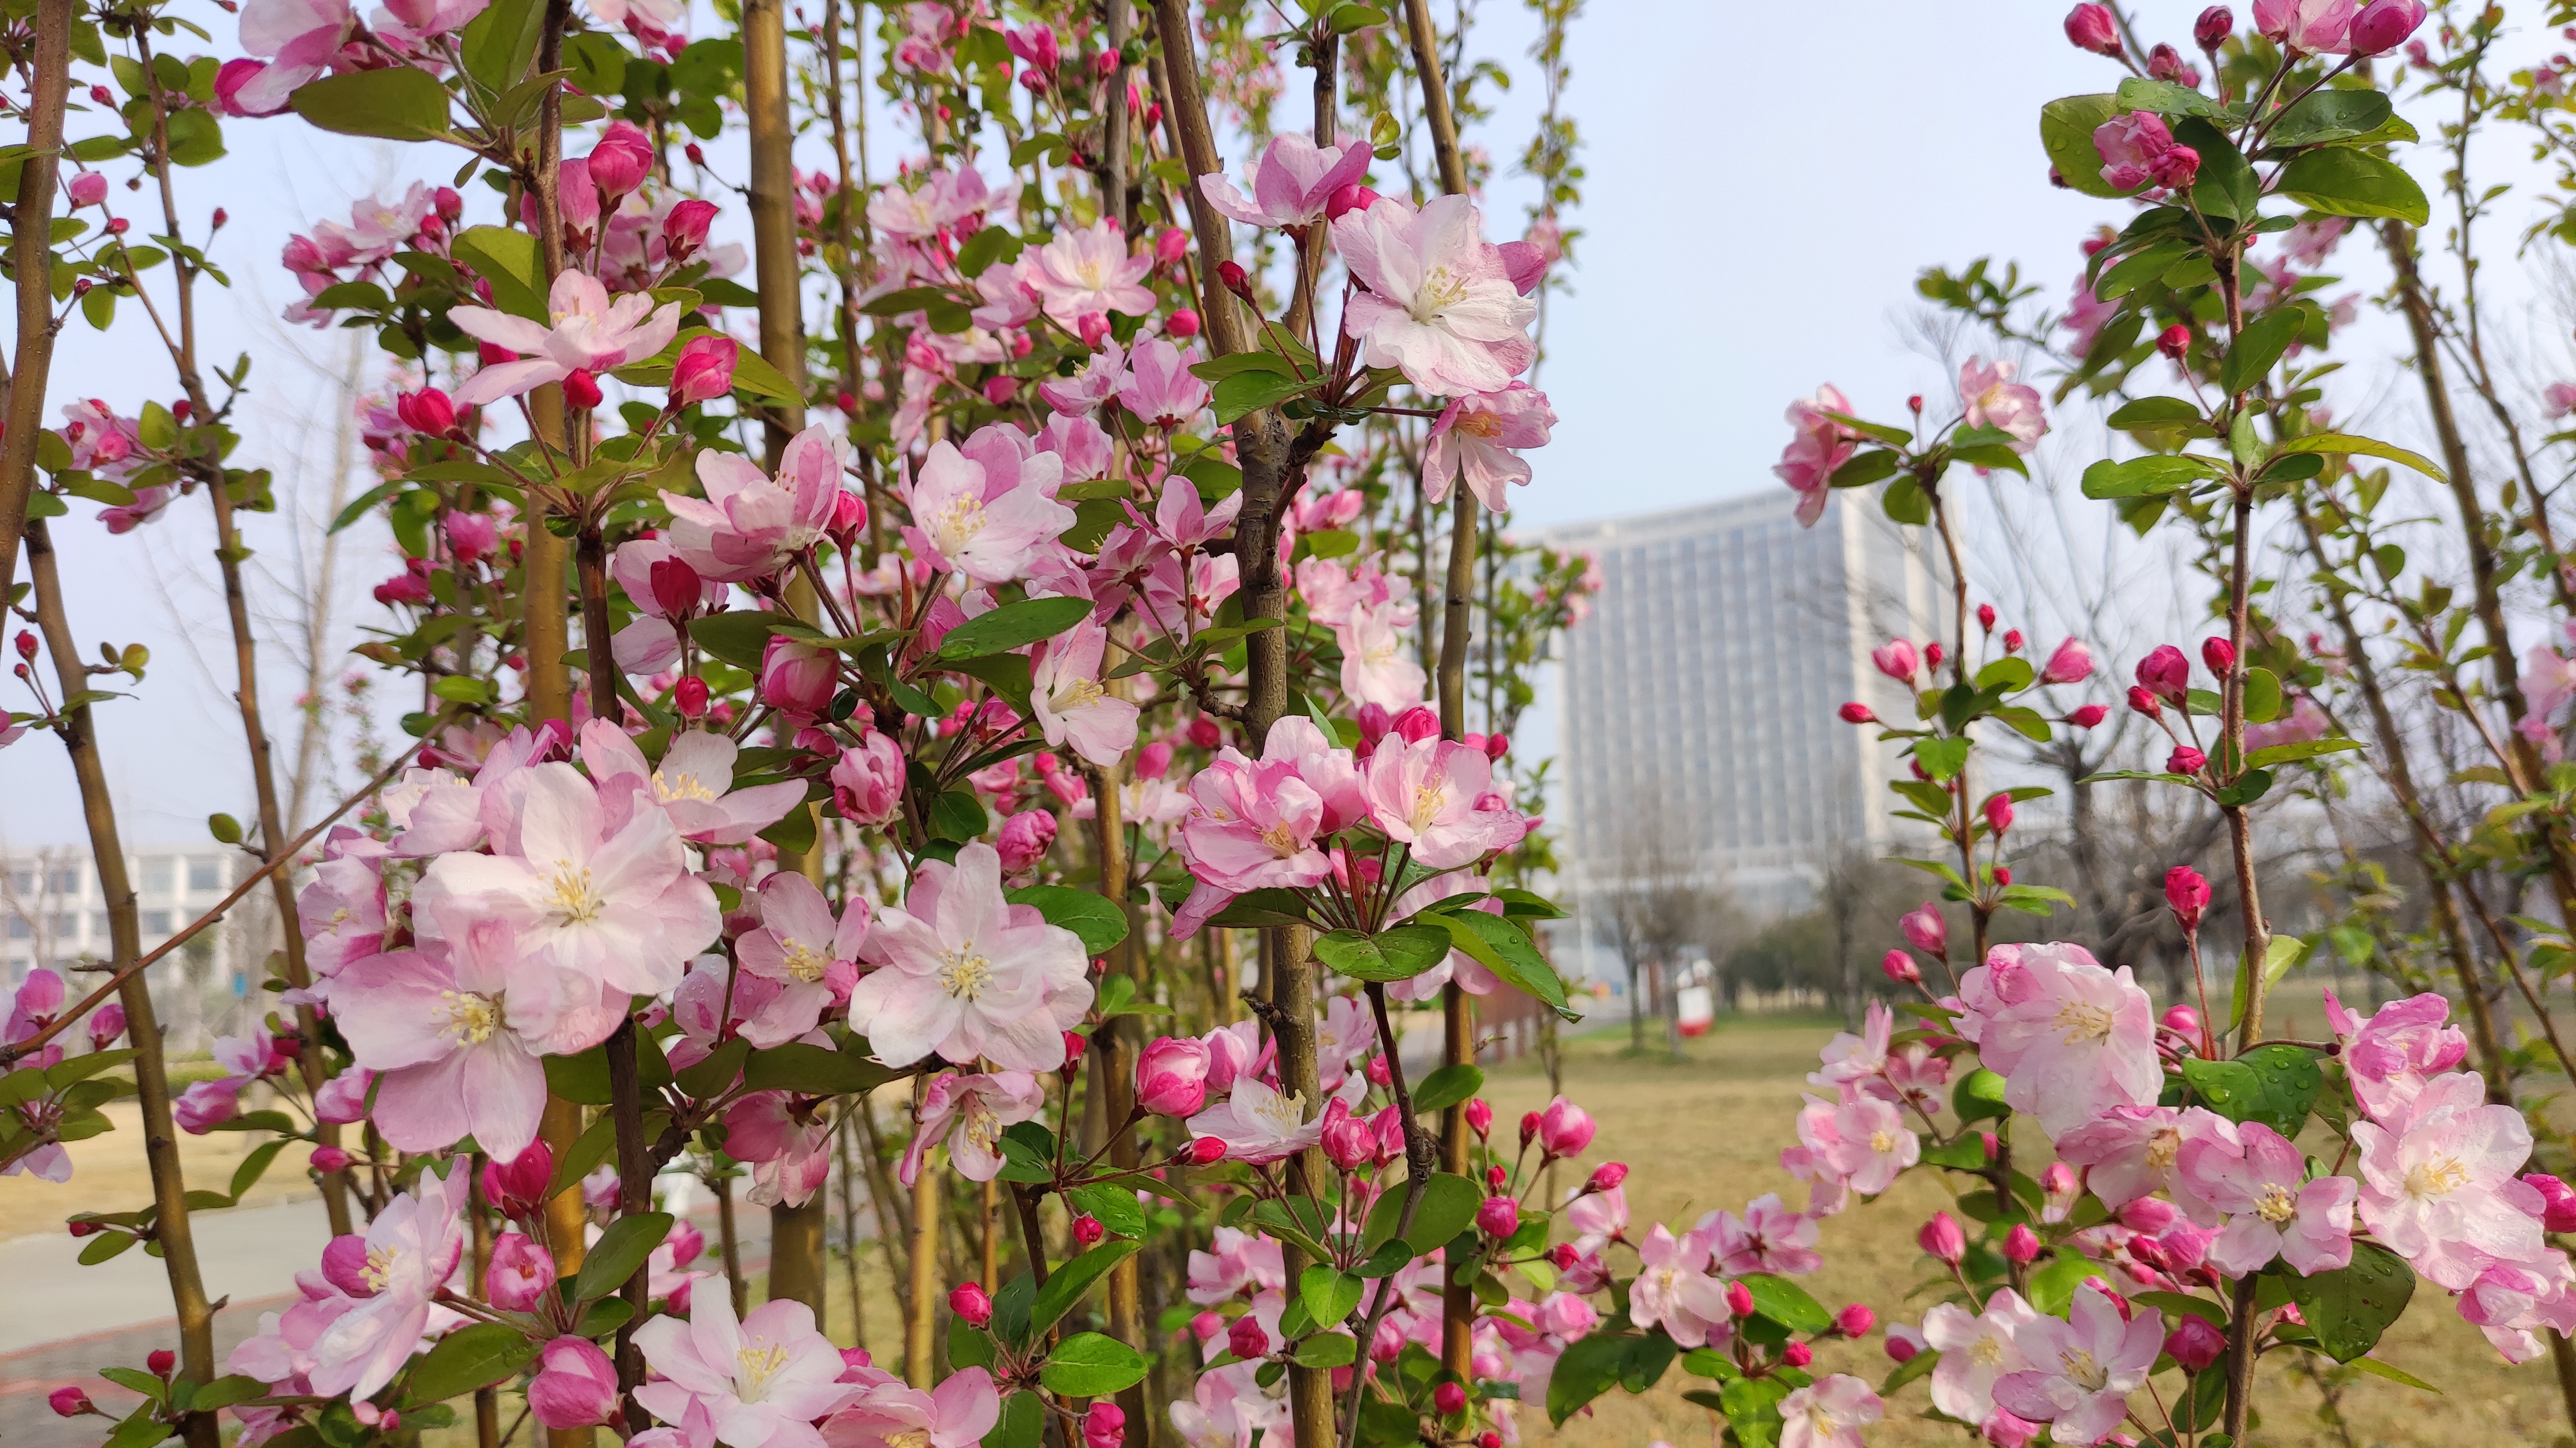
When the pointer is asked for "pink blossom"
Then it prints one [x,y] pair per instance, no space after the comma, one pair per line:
[2438,1184]
[590,333]
[2318,27]
[1088,273]
[455,1028]
[751,526]
[2086,316]
[787,1139]
[1767,1238]
[1872,1145]
[1290,183]
[1439,302]
[762,1381]
[575,1385]
[412,1248]
[1829,1413]
[2130,144]
[693,785]
[1072,707]
[1377,659]
[956,1414]
[1258,1124]
[1437,797]
[1994,400]
[1816,448]
[2081,1042]
[2082,1371]
[965,974]
[1926,930]
[2130,1151]
[1159,386]
[975,517]
[801,946]
[2393,1054]
[1976,1349]
[1477,437]
[969,1113]
[2071,664]
[521,1271]
[299,38]
[867,780]
[1674,1290]
[1183,518]
[2270,1209]
[1236,1262]
[1096,383]
[1253,825]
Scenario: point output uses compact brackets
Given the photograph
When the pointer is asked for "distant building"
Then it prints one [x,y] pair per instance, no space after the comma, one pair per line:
[54,916]
[1698,701]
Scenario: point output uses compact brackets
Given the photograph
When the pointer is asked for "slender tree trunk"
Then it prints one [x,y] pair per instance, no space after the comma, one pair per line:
[170,1223]
[31,222]
[850,1232]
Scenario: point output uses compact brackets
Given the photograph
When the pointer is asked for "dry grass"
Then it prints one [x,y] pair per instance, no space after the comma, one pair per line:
[108,1174]
[1707,1133]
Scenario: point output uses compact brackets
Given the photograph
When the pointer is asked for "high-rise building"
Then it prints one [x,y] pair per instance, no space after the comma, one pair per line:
[1697,703]
[54,916]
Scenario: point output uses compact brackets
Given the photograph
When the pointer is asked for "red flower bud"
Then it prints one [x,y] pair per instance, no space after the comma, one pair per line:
[160,1360]
[1480,1116]
[1607,1176]
[1739,1298]
[1858,713]
[2185,760]
[1449,1399]
[1855,1320]
[2090,27]
[2021,1245]
[2086,716]
[1246,1340]
[69,1402]
[2188,893]
[581,389]
[1797,1354]
[2195,1343]
[1498,1217]
[1087,1230]
[1206,1151]
[2213,27]
[972,1304]
[2219,655]
[1900,968]
[1233,278]
[689,696]
[1942,1237]
[1986,617]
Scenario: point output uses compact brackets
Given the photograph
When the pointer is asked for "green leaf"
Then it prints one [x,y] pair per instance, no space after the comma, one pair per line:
[106,1245]
[1753,1410]
[1864,468]
[2165,98]
[1022,1424]
[399,103]
[2337,443]
[1095,919]
[739,637]
[710,1077]
[2158,413]
[499,44]
[957,815]
[1979,1096]
[2052,1287]
[584,1077]
[2341,181]
[1786,1303]
[139,1431]
[1448,1086]
[1329,1295]
[2298,749]
[2257,347]
[254,1165]
[1942,758]
[481,1354]
[2378,1369]
[2262,696]
[1260,909]
[1091,1365]
[2327,116]
[1116,1208]
[1499,946]
[1586,1370]
[1065,1287]
[1012,626]
[812,1070]
[1327,1350]
[224,1392]
[619,1252]
[1246,392]
[508,260]
[2066,129]
[2275,1085]
[1448,1204]
[1398,954]
[988,245]
[2006,674]
[1906,502]
[2349,1307]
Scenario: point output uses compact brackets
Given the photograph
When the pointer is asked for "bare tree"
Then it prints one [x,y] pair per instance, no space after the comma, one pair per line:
[1651,899]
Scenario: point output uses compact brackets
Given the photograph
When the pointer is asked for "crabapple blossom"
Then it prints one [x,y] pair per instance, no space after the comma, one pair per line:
[412,1247]
[1159,387]
[2082,1368]
[1437,797]
[762,1379]
[589,333]
[298,38]
[2072,1039]
[693,785]
[970,1112]
[1673,1290]
[1994,400]
[575,1385]
[2392,1055]
[1477,437]
[966,974]
[973,520]
[1767,1238]
[1976,1349]
[1290,183]
[2438,1185]
[2269,1209]
[1438,301]
[749,525]
[1829,1413]
[1258,1124]
[1072,706]
[809,953]
[1088,272]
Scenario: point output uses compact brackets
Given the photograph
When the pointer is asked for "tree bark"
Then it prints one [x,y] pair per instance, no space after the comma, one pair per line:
[31,222]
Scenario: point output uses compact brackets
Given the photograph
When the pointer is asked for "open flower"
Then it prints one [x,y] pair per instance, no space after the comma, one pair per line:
[762,1380]
[693,785]
[1258,1124]
[2082,1370]
[1071,705]
[800,946]
[970,1112]
[1767,1238]
[1439,303]
[991,534]
[1673,1289]
[751,525]
[956,1414]
[966,974]
[1437,795]
[299,38]
[412,1248]
[2438,1186]
[2073,1040]
[1478,437]
[1829,1413]
[1088,273]
[1290,184]
[2271,1210]
[590,333]
[1159,386]
[1975,1351]
[1994,400]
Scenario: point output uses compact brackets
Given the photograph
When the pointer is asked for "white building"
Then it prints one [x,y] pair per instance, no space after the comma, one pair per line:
[1698,701]
[54,916]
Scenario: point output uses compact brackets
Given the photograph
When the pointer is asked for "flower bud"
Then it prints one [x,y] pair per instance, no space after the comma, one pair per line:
[1900,968]
[1855,1320]
[2213,27]
[1087,1231]
[2143,702]
[1183,322]
[1480,1116]
[1206,1151]
[1739,1298]
[797,677]
[2195,1343]
[328,1159]
[1171,1076]
[2021,1245]
[1350,1142]
[25,643]
[160,1361]
[2165,63]
[1926,930]
[1529,1127]
[581,389]
[1498,1217]
[1858,713]
[1999,812]
[119,226]
[2187,893]
[1901,1345]
[1607,1176]
[1074,1045]
[1797,1354]
[689,696]
[69,1402]
[1496,1178]
[1347,199]
[1489,1439]
[1565,1129]
[2219,655]
[2384,25]
[1942,1237]
[1104,1425]
[1233,278]
[1897,660]
[704,370]
[80,1229]
[521,1272]
[2177,167]
[576,1386]
[1246,1340]
[89,188]
[2558,1201]
[428,411]
[2185,760]
[2090,27]
[972,1304]
[1449,1400]
[2087,716]
[1986,617]
[621,160]
[685,229]
[518,1187]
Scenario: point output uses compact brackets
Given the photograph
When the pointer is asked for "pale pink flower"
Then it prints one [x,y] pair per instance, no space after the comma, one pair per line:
[1088,273]
[455,1028]
[2128,1152]
[413,1246]
[966,974]
[1872,1145]
[1253,826]
[615,903]
[1854,1059]
[1994,400]
[1477,437]
[867,780]
[2438,1184]
[1438,301]
[969,1113]
[956,1414]
[1437,796]
[1290,183]
[1258,1124]
[1767,1238]
[2269,1208]
[941,199]
[2081,1042]
[1096,383]
[750,526]
[1183,518]
[1377,659]
[590,333]
[2082,1371]
[964,524]
[1159,386]
[1597,1218]
[1829,1413]
[2391,1056]
[763,1380]
[2318,27]
[1673,1290]
[1235,1262]
[2086,316]
[1817,446]
[299,38]
[788,1141]
[693,785]
[1073,709]
[802,947]
[1975,1351]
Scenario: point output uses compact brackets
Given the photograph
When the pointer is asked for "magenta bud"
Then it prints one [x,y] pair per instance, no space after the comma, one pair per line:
[1498,1217]
[1480,1116]
[972,1304]
[69,1402]
[581,389]
[2090,27]
[2195,1343]
[328,1159]
[1607,1176]
[689,696]
[1417,724]
[704,369]
[1171,1076]
[344,1265]
[1739,1299]
[427,411]
[2213,27]
[575,1388]
[2185,760]
[1246,1339]
[1942,1237]
[518,1187]
[2558,1211]
[1900,968]
[160,1361]
[1206,1151]
[1797,1354]
[1087,1230]
[2021,1245]
[2219,655]
[1855,1320]
[1449,1399]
